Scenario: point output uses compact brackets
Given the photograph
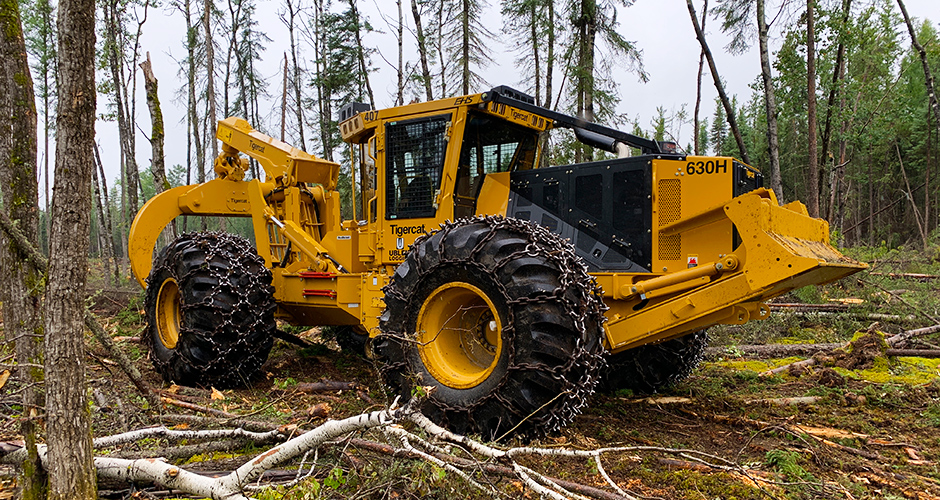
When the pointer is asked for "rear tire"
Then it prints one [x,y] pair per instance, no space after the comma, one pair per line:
[210,311]
[649,368]
[501,320]
[351,339]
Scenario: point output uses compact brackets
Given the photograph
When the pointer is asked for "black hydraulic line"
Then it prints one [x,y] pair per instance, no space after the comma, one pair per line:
[499,95]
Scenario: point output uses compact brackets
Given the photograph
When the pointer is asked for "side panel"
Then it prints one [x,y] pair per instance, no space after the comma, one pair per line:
[685,188]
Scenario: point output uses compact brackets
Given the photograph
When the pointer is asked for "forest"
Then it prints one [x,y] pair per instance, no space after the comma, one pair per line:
[841,115]
[872,117]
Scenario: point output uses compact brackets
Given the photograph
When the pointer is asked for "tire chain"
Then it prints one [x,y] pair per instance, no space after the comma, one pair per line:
[244,264]
[658,366]
[587,360]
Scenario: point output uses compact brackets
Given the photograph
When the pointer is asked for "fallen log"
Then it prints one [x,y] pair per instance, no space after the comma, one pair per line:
[327,386]
[910,276]
[796,306]
[769,350]
[914,353]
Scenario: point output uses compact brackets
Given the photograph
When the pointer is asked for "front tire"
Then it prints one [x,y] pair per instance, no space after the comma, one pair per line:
[501,320]
[210,311]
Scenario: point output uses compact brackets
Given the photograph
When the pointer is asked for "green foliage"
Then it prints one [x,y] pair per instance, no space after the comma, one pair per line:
[787,463]
[335,479]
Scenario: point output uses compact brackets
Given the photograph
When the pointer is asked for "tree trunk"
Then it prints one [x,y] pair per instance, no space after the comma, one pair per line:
[400,88]
[103,235]
[284,101]
[725,102]
[439,36]
[770,102]
[698,82]
[550,54]
[210,89]
[812,195]
[422,52]
[928,76]
[115,64]
[20,288]
[534,40]
[838,74]
[296,83]
[210,74]
[586,25]
[71,471]
[465,46]
[105,209]
[360,51]
[157,167]
[193,114]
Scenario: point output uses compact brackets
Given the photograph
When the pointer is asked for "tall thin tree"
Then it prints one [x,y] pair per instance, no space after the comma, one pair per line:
[928,75]
[422,51]
[68,419]
[812,194]
[716,77]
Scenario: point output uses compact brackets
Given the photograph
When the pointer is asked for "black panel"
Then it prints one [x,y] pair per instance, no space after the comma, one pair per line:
[744,183]
[603,207]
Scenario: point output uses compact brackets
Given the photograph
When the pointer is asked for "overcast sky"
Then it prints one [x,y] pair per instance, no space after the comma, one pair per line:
[661,29]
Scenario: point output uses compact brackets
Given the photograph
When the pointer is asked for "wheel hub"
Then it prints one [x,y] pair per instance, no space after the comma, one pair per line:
[168,313]
[460,335]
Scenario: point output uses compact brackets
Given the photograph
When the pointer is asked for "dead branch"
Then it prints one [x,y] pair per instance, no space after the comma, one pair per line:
[327,386]
[795,401]
[176,435]
[195,407]
[808,307]
[909,276]
[249,425]
[916,353]
[908,304]
[769,350]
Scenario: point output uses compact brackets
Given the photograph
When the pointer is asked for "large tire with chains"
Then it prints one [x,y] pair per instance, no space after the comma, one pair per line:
[210,311]
[351,339]
[500,318]
[649,368]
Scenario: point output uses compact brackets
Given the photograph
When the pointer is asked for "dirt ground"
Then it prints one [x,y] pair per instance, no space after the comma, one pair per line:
[868,431]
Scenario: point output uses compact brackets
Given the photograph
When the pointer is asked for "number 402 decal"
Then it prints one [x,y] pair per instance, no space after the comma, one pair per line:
[706,167]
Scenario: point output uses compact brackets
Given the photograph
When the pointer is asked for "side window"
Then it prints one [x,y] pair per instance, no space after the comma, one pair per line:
[414,163]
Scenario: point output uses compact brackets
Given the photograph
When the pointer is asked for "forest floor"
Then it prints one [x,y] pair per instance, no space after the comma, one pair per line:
[870,432]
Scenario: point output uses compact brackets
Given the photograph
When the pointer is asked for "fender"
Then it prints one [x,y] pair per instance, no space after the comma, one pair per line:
[221,197]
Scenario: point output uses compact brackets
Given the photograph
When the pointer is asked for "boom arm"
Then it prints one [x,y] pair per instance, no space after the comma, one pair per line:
[283,164]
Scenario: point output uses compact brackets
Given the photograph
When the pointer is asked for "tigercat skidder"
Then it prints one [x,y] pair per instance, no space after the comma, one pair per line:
[512,288]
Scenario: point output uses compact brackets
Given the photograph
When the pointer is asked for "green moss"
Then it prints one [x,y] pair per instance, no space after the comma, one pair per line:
[906,371]
[10,19]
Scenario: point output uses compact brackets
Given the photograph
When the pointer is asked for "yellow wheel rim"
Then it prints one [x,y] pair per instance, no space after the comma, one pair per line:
[168,313]
[459,335]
